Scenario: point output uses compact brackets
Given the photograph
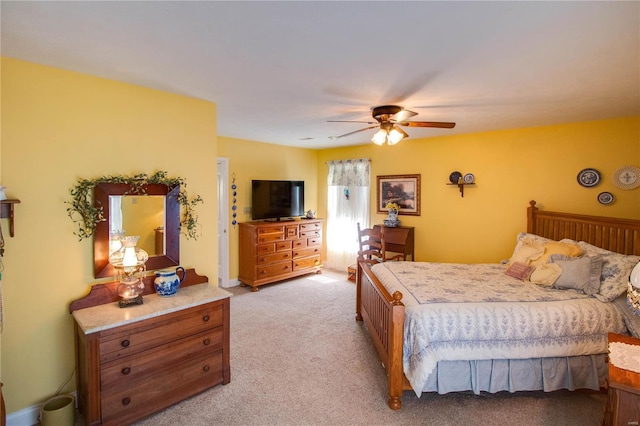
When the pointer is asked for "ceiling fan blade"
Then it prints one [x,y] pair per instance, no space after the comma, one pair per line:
[350,121]
[333,138]
[403,115]
[404,134]
[438,124]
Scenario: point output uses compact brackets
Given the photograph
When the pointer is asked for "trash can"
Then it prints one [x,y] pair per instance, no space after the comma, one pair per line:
[58,411]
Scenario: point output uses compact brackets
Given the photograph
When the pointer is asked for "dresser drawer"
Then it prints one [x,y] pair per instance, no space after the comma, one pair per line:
[283,245]
[310,234]
[266,248]
[121,405]
[305,227]
[310,251]
[274,229]
[267,238]
[268,259]
[123,341]
[272,270]
[305,263]
[292,232]
[317,241]
[299,243]
[125,372]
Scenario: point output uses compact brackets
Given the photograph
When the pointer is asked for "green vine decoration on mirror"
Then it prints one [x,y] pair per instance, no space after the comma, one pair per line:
[83,212]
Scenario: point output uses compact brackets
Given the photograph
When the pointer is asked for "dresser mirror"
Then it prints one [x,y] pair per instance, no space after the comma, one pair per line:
[154,216]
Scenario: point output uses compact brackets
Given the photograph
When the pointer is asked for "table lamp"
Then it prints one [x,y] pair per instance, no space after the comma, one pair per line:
[128,261]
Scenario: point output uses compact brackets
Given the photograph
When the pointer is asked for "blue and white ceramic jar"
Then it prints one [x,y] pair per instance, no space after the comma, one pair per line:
[167,281]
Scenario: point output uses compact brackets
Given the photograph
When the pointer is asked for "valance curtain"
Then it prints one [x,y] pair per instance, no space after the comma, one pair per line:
[347,204]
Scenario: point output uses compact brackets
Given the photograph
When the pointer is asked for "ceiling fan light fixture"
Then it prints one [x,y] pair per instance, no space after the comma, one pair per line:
[380,137]
[395,135]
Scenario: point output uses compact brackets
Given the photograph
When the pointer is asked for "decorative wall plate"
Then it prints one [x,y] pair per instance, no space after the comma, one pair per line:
[627,177]
[454,177]
[469,178]
[589,178]
[606,198]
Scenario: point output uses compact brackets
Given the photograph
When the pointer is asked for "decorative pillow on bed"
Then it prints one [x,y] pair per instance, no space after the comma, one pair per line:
[546,274]
[616,268]
[581,273]
[522,236]
[630,319]
[527,249]
[519,270]
[557,247]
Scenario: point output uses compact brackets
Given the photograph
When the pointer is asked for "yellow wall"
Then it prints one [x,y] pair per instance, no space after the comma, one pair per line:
[58,126]
[253,160]
[511,167]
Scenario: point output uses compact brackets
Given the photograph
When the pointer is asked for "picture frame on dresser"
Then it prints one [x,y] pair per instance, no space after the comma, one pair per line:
[403,190]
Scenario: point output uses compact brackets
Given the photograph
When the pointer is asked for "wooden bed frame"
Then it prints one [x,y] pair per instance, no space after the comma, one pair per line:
[383,313]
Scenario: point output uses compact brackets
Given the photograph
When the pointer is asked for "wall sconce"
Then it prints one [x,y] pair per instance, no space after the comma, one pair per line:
[633,291]
[388,133]
[128,261]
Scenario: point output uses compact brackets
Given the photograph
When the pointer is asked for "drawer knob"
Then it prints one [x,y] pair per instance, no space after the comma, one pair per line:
[205,368]
[206,342]
[205,318]
[125,343]
[126,370]
[126,401]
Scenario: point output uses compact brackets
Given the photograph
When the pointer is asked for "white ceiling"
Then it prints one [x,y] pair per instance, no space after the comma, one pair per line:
[279,70]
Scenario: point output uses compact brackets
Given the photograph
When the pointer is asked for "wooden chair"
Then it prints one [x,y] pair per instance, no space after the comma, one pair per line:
[371,243]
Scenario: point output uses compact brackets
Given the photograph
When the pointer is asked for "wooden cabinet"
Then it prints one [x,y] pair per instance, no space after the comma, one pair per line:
[623,402]
[275,251]
[141,359]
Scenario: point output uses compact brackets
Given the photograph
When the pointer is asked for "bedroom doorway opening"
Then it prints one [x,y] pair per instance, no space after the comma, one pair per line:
[223,221]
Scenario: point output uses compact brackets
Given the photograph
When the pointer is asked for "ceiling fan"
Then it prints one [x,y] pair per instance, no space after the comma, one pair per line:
[389,118]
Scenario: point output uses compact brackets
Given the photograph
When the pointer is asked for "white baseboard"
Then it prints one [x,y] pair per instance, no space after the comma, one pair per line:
[29,416]
[233,282]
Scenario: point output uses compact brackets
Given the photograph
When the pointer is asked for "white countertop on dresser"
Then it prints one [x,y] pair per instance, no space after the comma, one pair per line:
[110,315]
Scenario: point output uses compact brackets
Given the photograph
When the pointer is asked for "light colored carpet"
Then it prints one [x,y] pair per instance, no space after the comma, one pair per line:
[298,357]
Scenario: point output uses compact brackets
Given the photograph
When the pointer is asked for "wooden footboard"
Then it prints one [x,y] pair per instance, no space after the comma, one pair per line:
[383,315]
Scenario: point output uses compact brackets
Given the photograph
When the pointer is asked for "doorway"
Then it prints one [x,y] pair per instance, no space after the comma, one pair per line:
[223,222]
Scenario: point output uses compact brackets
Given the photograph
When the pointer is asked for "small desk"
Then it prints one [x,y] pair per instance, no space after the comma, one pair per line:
[399,239]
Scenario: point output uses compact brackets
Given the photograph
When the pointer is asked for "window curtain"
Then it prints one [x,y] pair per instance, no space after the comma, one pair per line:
[348,204]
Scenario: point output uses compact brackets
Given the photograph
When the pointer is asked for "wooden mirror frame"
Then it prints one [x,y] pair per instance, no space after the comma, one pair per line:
[101,266]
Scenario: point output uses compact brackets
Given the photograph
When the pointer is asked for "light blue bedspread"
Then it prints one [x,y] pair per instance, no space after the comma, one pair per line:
[476,312]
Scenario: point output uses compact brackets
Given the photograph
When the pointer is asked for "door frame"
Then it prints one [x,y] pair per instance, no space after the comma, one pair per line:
[223,221]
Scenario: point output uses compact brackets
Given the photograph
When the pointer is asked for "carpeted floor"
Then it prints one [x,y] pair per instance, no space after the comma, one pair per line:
[298,357]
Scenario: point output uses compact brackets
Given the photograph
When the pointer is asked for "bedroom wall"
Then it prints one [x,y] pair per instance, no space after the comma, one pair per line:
[58,126]
[511,167]
[254,160]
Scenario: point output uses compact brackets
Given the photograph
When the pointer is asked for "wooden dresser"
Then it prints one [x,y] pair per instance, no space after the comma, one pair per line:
[623,402]
[275,251]
[137,360]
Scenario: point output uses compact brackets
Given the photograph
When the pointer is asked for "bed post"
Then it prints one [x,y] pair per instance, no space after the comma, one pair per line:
[531,217]
[358,290]
[396,343]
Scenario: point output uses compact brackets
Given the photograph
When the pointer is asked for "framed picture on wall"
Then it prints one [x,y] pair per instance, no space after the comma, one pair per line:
[404,190]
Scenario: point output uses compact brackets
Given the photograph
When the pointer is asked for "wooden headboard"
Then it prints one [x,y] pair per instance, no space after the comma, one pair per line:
[610,233]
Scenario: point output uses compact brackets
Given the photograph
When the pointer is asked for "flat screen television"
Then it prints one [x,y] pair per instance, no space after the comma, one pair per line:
[277,199]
